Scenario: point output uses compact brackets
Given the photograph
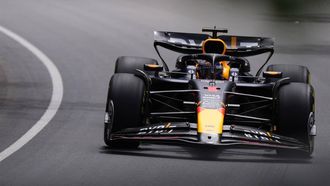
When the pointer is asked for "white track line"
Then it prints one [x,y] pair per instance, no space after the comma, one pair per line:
[55,101]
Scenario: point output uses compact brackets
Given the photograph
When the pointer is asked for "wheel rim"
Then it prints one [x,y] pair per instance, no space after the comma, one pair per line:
[109,124]
[311,122]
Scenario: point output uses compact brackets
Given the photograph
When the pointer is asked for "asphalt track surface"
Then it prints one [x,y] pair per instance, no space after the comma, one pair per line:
[83,38]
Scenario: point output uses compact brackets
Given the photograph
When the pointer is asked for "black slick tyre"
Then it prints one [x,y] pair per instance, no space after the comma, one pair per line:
[296,73]
[296,116]
[124,107]
[129,64]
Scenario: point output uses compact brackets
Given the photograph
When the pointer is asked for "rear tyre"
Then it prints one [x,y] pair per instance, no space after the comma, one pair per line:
[129,64]
[296,116]
[296,73]
[124,108]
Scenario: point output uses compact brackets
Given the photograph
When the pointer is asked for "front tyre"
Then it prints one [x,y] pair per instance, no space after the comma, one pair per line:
[124,108]
[296,116]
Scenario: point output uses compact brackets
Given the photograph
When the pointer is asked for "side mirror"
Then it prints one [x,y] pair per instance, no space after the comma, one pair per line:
[153,67]
[272,74]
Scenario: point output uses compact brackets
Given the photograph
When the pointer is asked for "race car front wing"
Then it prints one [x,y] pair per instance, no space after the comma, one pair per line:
[232,135]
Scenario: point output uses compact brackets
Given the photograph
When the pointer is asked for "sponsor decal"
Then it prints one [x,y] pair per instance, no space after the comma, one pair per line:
[211,101]
[212,88]
[260,135]
[211,81]
[183,41]
[158,129]
[211,96]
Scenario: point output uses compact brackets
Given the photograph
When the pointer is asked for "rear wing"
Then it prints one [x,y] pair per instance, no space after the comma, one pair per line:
[191,43]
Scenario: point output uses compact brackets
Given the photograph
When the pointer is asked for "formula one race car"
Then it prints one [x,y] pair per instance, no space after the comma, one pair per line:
[210,98]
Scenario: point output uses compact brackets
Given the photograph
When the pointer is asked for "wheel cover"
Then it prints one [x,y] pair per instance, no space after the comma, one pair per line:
[311,123]
[110,117]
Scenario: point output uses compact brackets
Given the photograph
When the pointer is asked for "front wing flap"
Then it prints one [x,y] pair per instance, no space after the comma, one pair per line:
[233,135]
